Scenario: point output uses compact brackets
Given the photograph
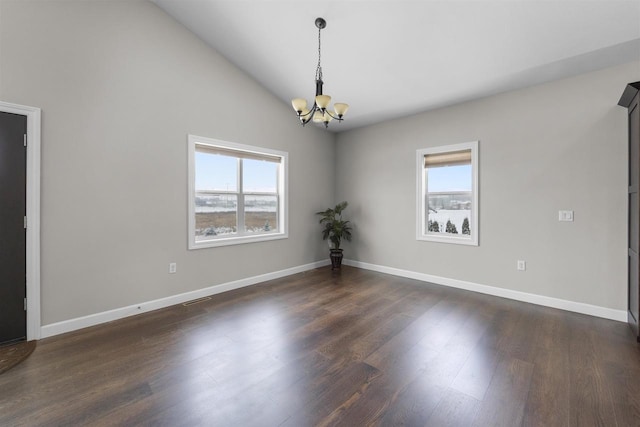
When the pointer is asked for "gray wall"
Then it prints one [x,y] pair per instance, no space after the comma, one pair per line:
[560,145]
[120,85]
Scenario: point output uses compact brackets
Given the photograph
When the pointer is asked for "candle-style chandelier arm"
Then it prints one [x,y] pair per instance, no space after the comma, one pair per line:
[319,112]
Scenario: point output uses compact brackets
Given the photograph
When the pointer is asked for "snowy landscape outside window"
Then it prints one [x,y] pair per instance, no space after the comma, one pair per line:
[237,193]
[447,183]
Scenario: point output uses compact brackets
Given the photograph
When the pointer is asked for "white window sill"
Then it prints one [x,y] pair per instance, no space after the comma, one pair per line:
[470,241]
[235,240]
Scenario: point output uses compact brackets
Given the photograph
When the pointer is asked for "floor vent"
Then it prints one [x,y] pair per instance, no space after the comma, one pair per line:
[195,301]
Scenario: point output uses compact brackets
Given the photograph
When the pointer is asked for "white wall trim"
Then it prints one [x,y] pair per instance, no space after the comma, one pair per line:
[577,307]
[421,192]
[132,310]
[33,214]
[241,237]
[143,307]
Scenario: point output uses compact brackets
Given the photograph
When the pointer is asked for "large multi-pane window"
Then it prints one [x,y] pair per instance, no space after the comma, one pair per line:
[237,193]
[448,193]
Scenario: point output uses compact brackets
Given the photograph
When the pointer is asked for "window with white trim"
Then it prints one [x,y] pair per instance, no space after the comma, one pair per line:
[237,193]
[447,193]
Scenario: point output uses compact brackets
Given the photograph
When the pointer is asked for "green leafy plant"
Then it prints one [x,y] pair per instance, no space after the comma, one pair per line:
[451,228]
[334,227]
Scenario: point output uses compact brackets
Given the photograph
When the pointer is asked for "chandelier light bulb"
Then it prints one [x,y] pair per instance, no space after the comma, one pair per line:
[299,104]
[340,108]
[323,101]
[318,117]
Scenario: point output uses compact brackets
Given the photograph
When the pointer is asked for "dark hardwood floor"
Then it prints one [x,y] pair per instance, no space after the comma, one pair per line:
[353,348]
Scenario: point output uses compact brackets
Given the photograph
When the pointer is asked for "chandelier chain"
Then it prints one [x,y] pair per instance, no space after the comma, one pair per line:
[319,68]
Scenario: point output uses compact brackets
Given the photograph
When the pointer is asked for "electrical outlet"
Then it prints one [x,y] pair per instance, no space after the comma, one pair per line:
[522,265]
[173,267]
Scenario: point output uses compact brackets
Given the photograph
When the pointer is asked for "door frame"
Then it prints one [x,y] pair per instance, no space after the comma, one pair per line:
[33,214]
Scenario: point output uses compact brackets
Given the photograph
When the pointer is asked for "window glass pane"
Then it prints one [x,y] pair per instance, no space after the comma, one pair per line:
[449,199]
[216,215]
[449,178]
[261,214]
[215,172]
[259,176]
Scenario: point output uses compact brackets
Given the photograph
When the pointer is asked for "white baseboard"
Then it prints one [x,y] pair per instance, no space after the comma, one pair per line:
[577,307]
[119,313]
[132,310]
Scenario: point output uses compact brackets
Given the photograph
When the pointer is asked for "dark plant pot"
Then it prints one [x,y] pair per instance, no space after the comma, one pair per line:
[336,258]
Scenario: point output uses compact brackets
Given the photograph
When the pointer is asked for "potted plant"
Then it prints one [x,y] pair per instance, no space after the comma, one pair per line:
[335,229]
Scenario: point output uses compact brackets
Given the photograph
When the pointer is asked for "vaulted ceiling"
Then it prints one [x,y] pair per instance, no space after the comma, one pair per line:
[388,59]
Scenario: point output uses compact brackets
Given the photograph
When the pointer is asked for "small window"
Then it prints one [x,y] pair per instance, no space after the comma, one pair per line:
[448,194]
[237,193]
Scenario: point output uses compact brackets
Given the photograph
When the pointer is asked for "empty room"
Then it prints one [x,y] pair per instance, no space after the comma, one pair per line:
[297,213]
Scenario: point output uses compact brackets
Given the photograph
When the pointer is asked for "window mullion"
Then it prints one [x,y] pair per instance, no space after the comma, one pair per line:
[258,193]
[214,192]
[241,226]
[425,199]
[279,204]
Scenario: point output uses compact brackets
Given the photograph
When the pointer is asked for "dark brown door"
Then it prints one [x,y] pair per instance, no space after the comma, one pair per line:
[13,181]
[634,214]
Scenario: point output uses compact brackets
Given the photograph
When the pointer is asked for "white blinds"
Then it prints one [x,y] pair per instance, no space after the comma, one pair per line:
[450,158]
[222,151]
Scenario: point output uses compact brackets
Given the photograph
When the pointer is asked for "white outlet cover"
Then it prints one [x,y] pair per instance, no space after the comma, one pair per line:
[522,265]
[565,216]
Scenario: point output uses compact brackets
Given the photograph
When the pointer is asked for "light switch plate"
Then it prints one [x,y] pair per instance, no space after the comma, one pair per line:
[565,215]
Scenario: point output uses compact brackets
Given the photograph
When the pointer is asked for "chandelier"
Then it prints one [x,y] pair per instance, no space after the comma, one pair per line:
[319,112]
